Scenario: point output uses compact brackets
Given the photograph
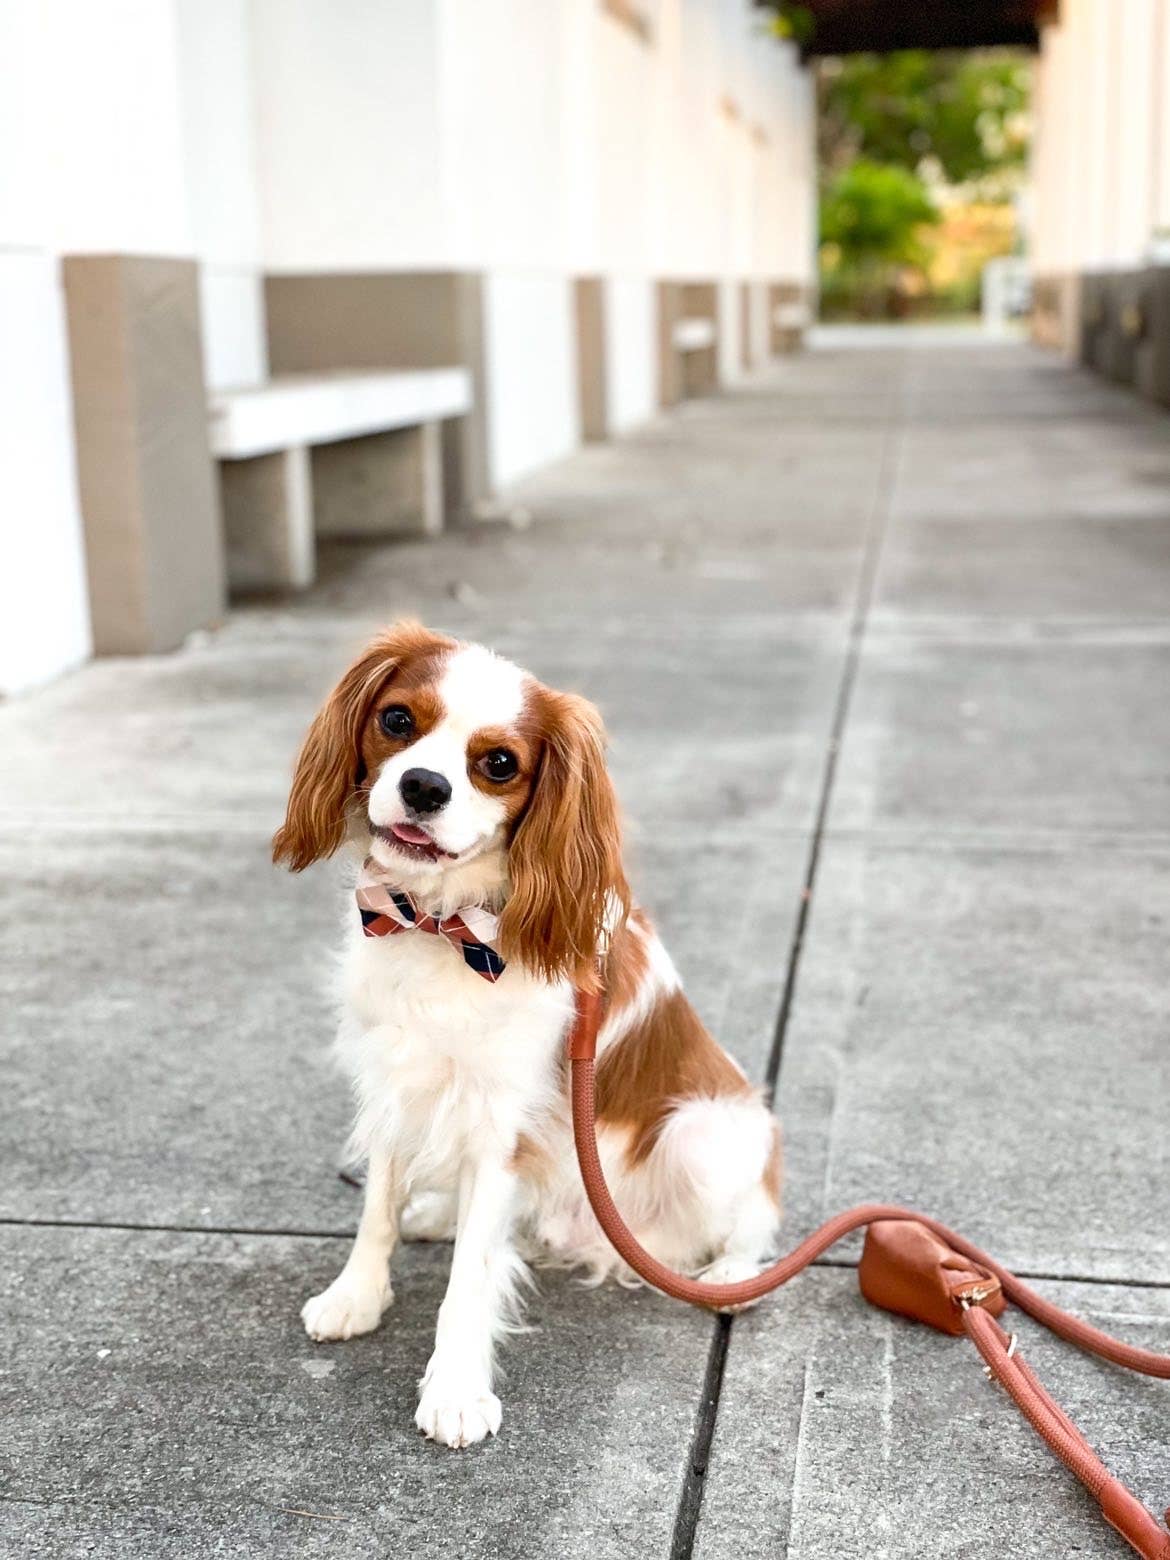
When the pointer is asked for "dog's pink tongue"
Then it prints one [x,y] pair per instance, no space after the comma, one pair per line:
[412,836]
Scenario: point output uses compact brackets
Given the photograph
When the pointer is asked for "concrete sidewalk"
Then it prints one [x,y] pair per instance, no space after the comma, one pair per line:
[950,567]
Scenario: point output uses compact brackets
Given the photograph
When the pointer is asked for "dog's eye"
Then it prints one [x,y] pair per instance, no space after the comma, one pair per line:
[396,721]
[499,764]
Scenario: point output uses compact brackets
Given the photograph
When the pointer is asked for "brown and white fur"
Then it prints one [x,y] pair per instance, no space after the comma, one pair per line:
[462,1105]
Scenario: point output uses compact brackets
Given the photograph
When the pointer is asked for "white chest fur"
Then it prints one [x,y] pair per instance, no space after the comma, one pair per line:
[445,1064]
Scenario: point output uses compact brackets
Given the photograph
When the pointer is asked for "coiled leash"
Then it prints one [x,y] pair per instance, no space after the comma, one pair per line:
[912,1265]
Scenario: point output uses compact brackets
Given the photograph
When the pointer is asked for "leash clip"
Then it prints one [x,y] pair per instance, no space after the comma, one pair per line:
[977,1294]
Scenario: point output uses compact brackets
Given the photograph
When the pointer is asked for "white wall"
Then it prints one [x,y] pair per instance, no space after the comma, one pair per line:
[219,161]
[631,351]
[728,301]
[1050,229]
[115,177]
[44,618]
[347,134]
[503,129]
[524,133]
[1161,64]
[534,140]
[125,127]
[1133,168]
[1101,151]
[531,371]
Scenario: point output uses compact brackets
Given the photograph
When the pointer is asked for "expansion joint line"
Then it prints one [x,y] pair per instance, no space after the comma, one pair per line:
[690,1504]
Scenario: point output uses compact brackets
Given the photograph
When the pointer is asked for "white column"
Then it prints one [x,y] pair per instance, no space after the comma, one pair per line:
[1098,46]
[1047,126]
[1160,180]
[44,614]
[1134,26]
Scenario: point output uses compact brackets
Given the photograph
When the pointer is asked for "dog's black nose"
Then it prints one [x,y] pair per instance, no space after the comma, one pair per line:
[424,791]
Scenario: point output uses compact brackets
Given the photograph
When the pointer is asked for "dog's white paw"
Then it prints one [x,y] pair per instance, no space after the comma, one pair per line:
[348,1308]
[457,1415]
[428,1216]
[730,1270]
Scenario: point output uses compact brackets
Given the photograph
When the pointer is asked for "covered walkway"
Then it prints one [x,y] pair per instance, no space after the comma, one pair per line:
[883,642]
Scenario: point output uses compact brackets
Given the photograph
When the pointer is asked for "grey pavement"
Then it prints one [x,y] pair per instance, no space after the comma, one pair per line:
[906,604]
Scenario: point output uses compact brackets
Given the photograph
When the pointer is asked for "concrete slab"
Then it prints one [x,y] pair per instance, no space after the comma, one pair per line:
[981,1033]
[1084,468]
[723,512]
[1022,731]
[1071,519]
[979,1021]
[903,1448]
[205,735]
[164,1401]
[214,733]
[1050,567]
[167,1018]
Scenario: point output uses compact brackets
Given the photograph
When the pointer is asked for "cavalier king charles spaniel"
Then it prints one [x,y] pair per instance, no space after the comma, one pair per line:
[484,828]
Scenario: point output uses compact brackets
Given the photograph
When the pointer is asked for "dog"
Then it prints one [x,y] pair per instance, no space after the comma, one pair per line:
[477,806]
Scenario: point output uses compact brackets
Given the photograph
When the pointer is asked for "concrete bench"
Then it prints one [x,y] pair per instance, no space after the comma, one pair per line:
[693,335]
[695,339]
[340,454]
[790,319]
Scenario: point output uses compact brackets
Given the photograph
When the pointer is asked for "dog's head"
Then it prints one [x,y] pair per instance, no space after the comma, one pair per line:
[460,773]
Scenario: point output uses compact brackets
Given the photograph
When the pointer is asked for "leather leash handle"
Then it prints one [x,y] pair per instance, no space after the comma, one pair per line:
[1119,1507]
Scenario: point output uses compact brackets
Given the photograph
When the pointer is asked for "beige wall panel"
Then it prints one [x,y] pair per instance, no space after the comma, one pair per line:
[407,319]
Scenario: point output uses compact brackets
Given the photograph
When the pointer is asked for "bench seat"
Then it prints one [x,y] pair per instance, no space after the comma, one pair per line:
[694,338]
[694,334]
[336,454]
[320,408]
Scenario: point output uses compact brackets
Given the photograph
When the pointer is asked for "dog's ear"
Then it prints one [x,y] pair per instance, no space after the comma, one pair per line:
[568,888]
[329,767]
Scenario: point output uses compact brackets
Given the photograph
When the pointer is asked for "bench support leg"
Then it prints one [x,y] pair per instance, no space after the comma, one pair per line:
[700,371]
[268,521]
[383,484]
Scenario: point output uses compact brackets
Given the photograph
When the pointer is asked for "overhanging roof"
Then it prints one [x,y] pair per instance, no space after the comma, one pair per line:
[879,26]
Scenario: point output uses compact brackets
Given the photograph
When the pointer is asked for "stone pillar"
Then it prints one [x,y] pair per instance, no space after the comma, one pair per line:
[700,300]
[670,311]
[787,317]
[589,301]
[149,502]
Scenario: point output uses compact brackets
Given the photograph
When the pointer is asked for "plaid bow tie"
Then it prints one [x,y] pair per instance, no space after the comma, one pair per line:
[386,911]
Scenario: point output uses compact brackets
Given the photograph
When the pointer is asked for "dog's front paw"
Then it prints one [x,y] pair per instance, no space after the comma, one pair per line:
[348,1308]
[455,1414]
[730,1270]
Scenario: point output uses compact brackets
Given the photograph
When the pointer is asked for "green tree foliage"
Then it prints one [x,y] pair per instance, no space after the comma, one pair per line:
[873,212]
[961,117]
[895,130]
[790,20]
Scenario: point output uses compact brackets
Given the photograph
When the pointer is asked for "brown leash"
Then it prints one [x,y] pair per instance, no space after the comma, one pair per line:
[913,1265]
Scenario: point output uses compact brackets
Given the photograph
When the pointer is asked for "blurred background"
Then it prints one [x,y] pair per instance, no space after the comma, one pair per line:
[583,211]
